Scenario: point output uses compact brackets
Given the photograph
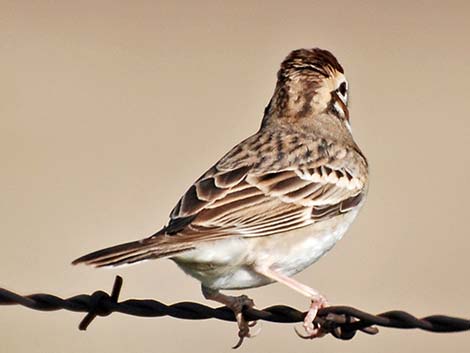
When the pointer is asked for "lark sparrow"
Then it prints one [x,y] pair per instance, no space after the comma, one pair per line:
[276,202]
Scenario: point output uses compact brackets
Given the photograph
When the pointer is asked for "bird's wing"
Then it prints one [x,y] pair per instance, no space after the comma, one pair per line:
[241,197]
[244,204]
[268,184]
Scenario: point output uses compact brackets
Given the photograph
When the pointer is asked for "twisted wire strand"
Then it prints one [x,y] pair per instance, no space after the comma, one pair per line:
[342,322]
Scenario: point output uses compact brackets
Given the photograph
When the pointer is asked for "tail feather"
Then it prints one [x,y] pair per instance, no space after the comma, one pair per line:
[135,251]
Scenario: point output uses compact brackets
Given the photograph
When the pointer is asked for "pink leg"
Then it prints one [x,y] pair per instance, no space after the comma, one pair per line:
[236,304]
[318,300]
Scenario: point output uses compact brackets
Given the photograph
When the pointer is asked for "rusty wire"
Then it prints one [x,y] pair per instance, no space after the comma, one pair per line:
[341,321]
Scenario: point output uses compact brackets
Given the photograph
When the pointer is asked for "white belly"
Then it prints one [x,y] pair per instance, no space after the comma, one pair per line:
[230,263]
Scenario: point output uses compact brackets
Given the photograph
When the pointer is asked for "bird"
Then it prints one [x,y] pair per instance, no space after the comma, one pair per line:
[275,203]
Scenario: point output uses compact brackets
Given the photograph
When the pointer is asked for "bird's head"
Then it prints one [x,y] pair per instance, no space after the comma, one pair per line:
[310,82]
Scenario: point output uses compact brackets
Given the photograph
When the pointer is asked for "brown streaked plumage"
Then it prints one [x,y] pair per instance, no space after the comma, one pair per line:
[276,202]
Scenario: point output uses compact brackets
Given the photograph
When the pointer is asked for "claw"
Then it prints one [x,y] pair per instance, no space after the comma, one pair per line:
[309,335]
[244,329]
[245,332]
[315,333]
[313,330]
[239,343]
[236,304]
[255,332]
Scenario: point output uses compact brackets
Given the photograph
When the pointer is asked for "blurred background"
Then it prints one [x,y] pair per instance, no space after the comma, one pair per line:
[109,110]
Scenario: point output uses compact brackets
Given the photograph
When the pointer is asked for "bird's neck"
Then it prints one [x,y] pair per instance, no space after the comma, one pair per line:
[293,102]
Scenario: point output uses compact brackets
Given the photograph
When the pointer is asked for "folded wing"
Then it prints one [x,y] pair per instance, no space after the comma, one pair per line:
[241,197]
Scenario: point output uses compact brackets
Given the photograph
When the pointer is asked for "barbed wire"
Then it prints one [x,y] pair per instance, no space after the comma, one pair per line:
[342,322]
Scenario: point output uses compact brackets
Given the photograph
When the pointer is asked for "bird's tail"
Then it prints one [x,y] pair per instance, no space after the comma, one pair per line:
[156,246]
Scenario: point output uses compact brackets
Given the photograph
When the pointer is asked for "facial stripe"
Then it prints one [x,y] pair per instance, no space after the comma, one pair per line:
[339,106]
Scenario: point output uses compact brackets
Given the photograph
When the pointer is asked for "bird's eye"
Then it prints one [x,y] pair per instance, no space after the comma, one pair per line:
[342,89]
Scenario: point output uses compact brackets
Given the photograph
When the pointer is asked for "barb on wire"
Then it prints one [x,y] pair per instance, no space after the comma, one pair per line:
[341,321]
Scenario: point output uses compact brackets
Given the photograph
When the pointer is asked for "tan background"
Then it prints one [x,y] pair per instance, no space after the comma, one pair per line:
[108,112]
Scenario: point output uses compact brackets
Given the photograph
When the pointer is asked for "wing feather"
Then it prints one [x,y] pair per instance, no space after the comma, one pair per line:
[263,186]
[264,204]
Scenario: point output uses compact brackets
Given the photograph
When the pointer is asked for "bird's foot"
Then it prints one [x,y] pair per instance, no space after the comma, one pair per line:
[237,304]
[313,330]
